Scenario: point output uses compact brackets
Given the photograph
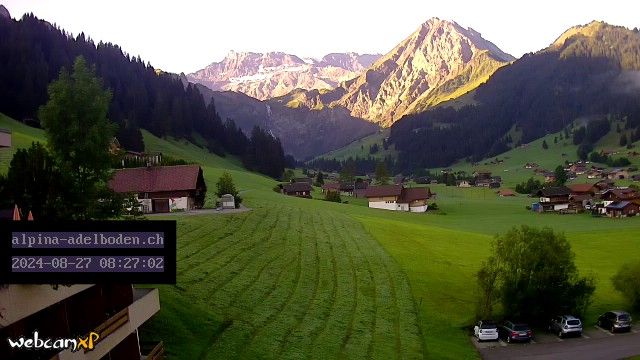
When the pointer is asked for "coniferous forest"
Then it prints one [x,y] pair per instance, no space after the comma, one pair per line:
[33,52]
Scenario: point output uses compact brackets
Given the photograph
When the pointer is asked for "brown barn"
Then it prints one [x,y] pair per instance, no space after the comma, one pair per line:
[300,189]
[163,188]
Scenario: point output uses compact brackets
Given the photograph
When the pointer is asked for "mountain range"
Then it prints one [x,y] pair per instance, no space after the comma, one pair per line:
[590,72]
[267,75]
[439,61]
[445,92]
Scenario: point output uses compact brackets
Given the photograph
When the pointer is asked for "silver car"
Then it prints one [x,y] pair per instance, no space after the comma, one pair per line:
[566,325]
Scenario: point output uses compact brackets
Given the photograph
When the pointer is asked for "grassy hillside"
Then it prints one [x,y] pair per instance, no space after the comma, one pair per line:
[299,278]
[22,136]
[360,148]
[512,166]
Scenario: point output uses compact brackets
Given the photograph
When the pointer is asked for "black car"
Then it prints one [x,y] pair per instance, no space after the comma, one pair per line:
[511,331]
[615,321]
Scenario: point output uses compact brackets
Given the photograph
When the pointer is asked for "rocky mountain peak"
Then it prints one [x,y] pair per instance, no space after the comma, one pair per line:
[4,13]
[437,52]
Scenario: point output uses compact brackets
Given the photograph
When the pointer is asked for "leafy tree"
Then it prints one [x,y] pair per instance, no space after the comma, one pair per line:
[333,196]
[225,185]
[555,139]
[627,282]
[320,179]
[35,183]
[382,175]
[623,140]
[374,148]
[528,187]
[288,175]
[532,274]
[79,133]
[544,144]
[561,175]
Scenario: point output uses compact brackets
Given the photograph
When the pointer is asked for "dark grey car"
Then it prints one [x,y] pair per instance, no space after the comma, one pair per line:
[510,332]
[615,321]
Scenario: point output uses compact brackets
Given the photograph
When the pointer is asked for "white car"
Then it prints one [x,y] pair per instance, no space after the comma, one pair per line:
[486,330]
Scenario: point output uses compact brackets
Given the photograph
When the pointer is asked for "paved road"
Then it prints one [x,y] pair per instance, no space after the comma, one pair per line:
[203,212]
[597,348]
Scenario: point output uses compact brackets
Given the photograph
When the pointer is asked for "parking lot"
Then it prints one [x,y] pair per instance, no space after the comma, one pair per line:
[595,343]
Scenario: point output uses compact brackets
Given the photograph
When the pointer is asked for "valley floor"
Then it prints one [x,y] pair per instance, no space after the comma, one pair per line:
[305,278]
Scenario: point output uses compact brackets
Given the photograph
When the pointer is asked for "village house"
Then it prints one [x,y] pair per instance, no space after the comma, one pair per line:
[301,189]
[5,138]
[531,165]
[399,198]
[305,179]
[463,183]
[549,176]
[505,193]
[582,189]
[635,177]
[616,174]
[618,194]
[162,188]
[620,209]
[344,188]
[593,174]
[578,168]
[582,196]
[555,198]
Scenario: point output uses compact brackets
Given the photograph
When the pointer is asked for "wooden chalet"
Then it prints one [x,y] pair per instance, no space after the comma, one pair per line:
[623,209]
[398,198]
[299,189]
[162,189]
[555,198]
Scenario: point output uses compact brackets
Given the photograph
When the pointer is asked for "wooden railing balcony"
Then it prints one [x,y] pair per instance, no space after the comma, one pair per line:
[152,351]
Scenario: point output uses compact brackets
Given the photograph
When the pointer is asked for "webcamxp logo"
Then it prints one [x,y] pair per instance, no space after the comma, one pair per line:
[86,343]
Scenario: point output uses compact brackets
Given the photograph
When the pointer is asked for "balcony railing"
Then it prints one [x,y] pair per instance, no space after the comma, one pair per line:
[112,324]
[152,350]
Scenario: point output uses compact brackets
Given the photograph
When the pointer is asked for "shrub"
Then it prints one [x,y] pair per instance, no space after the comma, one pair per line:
[627,282]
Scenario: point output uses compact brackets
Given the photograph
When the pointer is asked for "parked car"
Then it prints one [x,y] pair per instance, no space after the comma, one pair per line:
[486,330]
[511,331]
[566,325]
[615,321]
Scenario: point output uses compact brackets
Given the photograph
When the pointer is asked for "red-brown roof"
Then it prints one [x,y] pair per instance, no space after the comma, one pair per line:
[155,179]
[581,188]
[506,192]
[334,186]
[383,190]
[413,194]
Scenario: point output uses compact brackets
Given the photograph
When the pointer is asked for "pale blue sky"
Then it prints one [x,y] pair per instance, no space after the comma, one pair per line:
[183,36]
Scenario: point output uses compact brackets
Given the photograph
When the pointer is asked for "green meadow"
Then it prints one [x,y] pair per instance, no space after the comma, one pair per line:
[305,278]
